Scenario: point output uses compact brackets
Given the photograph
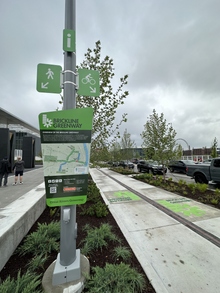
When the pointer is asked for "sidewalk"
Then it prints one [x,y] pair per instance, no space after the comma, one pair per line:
[20,207]
[175,258]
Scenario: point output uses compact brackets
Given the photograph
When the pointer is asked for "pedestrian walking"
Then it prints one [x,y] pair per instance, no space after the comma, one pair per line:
[4,170]
[19,169]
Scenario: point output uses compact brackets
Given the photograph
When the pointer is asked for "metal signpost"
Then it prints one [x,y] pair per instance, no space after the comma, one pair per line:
[66,138]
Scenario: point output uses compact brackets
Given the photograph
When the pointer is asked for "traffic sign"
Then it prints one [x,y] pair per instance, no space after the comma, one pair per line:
[88,83]
[48,78]
[68,40]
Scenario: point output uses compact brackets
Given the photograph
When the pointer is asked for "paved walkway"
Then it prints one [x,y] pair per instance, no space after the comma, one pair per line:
[31,179]
[20,207]
[175,256]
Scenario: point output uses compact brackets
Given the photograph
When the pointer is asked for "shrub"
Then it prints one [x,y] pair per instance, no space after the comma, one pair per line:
[122,252]
[98,237]
[115,279]
[191,186]
[217,192]
[214,201]
[202,187]
[28,283]
[36,262]
[93,193]
[156,183]
[180,182]
[99,209]
[43,241]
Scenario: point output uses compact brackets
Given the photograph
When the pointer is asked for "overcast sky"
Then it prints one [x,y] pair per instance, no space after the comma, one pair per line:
[169,49]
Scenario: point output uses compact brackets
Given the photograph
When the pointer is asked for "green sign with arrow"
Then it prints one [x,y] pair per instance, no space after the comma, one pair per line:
[48,78]
[88,83]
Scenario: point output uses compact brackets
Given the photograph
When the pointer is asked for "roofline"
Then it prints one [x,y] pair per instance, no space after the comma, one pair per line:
[8,118]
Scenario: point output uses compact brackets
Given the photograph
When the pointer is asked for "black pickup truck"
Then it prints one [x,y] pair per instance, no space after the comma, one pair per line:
[203,173]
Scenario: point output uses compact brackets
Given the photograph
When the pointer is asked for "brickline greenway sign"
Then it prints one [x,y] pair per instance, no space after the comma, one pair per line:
[65,143]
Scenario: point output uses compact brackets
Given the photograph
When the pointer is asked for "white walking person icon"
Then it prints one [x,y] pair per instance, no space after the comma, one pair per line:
[49,73]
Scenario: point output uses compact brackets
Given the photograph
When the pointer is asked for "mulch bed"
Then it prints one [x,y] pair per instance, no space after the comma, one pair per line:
[185,191]
[99,258]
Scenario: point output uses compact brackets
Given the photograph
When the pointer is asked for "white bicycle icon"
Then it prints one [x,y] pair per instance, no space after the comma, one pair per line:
[88,79]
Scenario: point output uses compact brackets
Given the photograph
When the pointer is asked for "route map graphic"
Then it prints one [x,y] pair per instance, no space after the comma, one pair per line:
[66,159]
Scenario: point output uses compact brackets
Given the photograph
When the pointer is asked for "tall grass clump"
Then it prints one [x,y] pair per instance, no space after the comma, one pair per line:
[202,187]
[28,283]
[115,279]
[98,237]
[43,241]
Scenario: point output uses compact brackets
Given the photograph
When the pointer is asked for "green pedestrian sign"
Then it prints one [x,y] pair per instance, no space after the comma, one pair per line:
[66,142]
[88,83]
[48,78]
[68,40]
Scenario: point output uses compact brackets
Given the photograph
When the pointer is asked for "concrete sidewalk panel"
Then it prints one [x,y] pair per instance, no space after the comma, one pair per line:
[210,225]
[141,216]
[183,260]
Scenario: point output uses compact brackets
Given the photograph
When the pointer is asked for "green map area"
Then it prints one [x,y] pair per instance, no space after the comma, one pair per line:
[65,159]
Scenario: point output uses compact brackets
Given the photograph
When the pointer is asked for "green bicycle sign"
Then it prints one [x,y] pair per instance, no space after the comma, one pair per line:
[88,83]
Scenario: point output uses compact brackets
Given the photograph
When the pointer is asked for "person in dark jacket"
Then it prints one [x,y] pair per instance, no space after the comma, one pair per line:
[4,170]
[19,169]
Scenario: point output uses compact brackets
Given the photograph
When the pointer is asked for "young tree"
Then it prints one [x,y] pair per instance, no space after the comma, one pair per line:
[214,153]
[160,136]
[127,144]
[179,152]
[115,152]
[106,104]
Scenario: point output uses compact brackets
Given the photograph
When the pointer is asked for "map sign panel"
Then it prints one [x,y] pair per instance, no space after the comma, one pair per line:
[65,142]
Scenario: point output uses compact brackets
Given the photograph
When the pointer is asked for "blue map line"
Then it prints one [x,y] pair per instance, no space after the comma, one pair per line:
[60,168]
[87,155]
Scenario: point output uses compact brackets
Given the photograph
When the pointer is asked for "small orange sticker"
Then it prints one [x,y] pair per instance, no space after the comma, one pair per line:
[69,189]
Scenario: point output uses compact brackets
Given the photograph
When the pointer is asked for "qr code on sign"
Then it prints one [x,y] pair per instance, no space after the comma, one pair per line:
[53,190]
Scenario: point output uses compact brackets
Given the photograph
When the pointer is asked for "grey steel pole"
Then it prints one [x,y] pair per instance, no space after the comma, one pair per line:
[68,230]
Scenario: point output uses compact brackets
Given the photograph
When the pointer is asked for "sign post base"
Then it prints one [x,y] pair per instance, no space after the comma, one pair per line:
[65,274]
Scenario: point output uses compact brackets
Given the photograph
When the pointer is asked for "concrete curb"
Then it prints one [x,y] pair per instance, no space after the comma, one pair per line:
[17,218]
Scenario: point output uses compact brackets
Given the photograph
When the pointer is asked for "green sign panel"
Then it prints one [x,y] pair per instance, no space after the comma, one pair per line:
[88,83]
[48,78]
[68,40]
[65,143]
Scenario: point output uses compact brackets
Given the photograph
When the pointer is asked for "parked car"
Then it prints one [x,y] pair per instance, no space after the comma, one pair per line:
[203,173]
[150,167]
[114,164]
[179,166]
[126,164]
[207,161]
